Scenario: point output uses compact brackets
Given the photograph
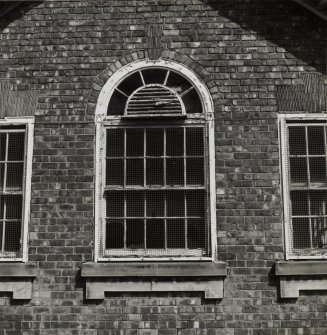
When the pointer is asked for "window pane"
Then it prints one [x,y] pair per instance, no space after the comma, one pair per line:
[316,141]
[134,172]
[175,171]
[154,142]
[155,234]
[297,142]
[135,142]
[117,104]
[135,204]
[2,174]
[194,142]
[175,142]
[175,233]
[115,143]
[16,146]
[192,102]
[154,171]
[155,204]
[115,172]
[175,203]
[115,234]
[318,204]
[135,234]
[317,169]
[301,233]
[1,230]
[196,236]
[14,205]
[177,82]
[194,171]
[15,176]
[131,83]
[12,236]
[195,203]
[298,167]
[3,138]
[115,204]
[154,76]
[299,201]
[319,232]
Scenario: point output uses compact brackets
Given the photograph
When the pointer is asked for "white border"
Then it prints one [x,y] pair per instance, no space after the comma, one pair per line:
[101,118]
[29,122]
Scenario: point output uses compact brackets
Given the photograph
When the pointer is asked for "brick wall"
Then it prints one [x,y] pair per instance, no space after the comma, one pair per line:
[61,49]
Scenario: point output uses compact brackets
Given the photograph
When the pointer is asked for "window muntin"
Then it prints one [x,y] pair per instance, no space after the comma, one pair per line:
[14,139]
[305,188]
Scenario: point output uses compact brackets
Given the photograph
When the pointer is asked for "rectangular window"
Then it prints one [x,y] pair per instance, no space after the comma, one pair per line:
[15,140]
[305,185]
[155,193]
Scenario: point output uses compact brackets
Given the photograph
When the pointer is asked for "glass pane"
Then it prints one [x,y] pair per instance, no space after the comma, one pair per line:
[115,234]
[131,83]
[175,171]
[115,143]
[318,202]
[175,142]
[175,233]
[194,171]
[196,236]
[177,82]
[2,206]
[316,142]
[3,146]
[2,174]
[194,142]
[134,172]
[155,234]
[135,204]
[319,233]
[298,167]
[297,143]
[16,147]
[135,234]
[192,102]
[14,205]
[154,171]
[117,104]
[175,203]
[301,233]
[317,167]
[154,76]
[115,172]
[12,236]
[115,204]
[135,142]
[299,200]
[195,203]
[15,176]
[1,230]
[154,142]
[155,204]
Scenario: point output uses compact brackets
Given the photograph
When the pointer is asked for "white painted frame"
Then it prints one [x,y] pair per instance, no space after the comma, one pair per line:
[102,120]
[29,123]
[284,168]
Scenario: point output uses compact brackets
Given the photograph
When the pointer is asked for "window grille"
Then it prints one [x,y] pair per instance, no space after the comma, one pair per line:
[12,179]
[155,172]
[305,188]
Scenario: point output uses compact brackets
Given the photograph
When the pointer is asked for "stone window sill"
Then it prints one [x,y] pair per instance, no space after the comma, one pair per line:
[296,276]
[17,278]
[154,277]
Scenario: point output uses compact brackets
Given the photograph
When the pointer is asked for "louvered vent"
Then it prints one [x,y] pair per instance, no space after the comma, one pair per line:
[154,99]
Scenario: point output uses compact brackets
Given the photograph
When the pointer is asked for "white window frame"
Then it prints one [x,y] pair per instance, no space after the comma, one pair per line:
[285,182]
[28,158]
[102,120]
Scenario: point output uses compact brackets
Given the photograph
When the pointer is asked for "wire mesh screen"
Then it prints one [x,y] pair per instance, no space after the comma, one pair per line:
[156,193]
[308,189]
[12,151]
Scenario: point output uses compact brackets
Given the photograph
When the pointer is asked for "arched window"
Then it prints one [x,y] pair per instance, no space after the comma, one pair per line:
[155,165]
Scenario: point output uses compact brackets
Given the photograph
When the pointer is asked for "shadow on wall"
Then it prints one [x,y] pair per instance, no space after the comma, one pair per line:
[284,24]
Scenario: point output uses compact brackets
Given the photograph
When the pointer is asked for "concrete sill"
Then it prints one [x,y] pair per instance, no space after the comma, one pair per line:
[154,277]
[17,278]
[296,276]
